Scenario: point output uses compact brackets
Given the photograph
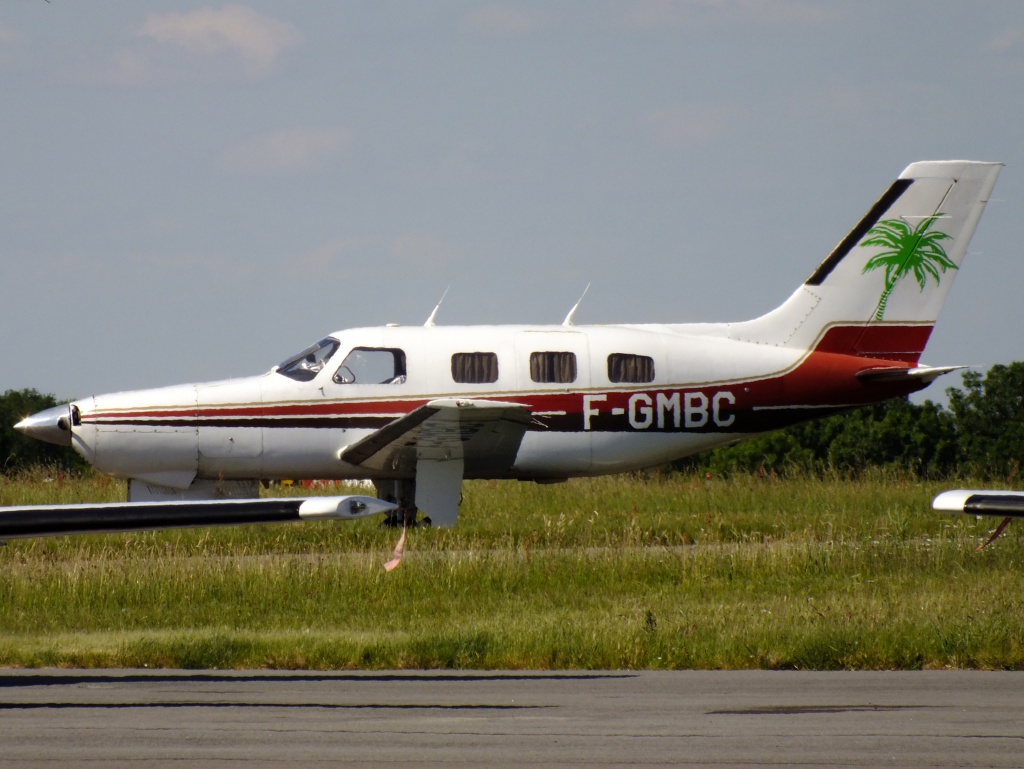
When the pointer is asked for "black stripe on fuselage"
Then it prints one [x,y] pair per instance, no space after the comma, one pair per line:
[853,238]
[746,421]
[139,516]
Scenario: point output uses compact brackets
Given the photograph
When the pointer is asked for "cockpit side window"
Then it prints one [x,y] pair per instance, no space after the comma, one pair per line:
[307,364]
[372,365]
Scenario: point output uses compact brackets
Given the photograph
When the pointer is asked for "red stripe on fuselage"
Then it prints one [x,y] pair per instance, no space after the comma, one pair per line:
[270,410]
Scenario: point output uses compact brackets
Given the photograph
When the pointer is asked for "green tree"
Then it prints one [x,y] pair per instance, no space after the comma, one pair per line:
[980,434]
[909,251]
[989,418]
[19,452]
[917,439]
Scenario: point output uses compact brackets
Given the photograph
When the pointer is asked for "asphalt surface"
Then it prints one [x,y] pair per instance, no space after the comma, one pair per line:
[170,718]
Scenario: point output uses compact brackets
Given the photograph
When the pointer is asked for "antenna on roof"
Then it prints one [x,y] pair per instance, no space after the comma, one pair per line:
[568,318]
[431,321]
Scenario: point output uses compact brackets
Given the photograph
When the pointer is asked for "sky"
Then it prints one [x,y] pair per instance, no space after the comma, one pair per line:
[193,191]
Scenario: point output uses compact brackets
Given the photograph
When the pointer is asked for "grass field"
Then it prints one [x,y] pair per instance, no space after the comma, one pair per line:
[610,573]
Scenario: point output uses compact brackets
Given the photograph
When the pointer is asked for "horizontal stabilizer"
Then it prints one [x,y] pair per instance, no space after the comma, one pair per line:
[924,374]
[41,520]
[1007,504]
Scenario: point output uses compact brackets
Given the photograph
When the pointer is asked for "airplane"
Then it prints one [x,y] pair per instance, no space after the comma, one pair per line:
[418,409]
[1005,504]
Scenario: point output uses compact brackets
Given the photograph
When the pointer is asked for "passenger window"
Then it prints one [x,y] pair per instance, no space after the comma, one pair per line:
[553,367]
[623,367]
[372,365]
[475,367]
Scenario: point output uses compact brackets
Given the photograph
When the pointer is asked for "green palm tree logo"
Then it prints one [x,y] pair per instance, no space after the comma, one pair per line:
[907,251]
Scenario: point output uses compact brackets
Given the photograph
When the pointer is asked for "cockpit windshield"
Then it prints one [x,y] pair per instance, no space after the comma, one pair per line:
[307,364]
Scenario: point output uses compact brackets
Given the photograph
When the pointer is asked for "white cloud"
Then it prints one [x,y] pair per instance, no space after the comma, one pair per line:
[235,29]
[331,255]
[652,14]
[321,257]
[1007,38]
[501,20]
[424,250]
[691,124]
[850,102]
[656,14]
[867,105]
[287,151]
[128,67]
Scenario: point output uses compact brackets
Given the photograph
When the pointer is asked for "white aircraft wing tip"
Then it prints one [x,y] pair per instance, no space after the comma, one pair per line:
[952,501]
[343,507]
[981,502]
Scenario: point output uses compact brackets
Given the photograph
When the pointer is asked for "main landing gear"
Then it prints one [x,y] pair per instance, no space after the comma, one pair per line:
[402,492]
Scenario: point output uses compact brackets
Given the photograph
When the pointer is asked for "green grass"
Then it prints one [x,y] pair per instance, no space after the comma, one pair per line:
[623,572]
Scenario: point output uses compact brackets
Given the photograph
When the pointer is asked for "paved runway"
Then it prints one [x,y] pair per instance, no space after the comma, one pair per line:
[503,719]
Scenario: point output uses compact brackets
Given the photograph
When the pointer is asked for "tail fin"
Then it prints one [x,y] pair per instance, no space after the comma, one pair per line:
[879,292]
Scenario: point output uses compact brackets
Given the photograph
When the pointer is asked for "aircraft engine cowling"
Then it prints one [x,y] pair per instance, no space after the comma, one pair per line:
[150,435]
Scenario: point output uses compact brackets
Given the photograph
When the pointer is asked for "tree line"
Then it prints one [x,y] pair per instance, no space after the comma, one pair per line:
[980,434]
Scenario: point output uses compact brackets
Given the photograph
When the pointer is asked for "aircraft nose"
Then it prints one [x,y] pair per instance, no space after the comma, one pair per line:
[52,425]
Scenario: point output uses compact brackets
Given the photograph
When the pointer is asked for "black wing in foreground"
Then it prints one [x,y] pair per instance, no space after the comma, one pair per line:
[1008,504]
[41,520]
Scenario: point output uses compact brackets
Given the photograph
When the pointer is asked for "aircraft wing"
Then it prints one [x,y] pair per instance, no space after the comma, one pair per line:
[1008,504]
[480,433]
[440,443]
[52,520]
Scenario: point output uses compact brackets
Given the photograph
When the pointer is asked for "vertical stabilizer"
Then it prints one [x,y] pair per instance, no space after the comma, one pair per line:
[886,281]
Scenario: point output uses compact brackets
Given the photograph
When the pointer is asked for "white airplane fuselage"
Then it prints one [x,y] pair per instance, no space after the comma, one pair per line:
[704,391]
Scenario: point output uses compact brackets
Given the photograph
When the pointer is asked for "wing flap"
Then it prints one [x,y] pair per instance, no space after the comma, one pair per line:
[484,434]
